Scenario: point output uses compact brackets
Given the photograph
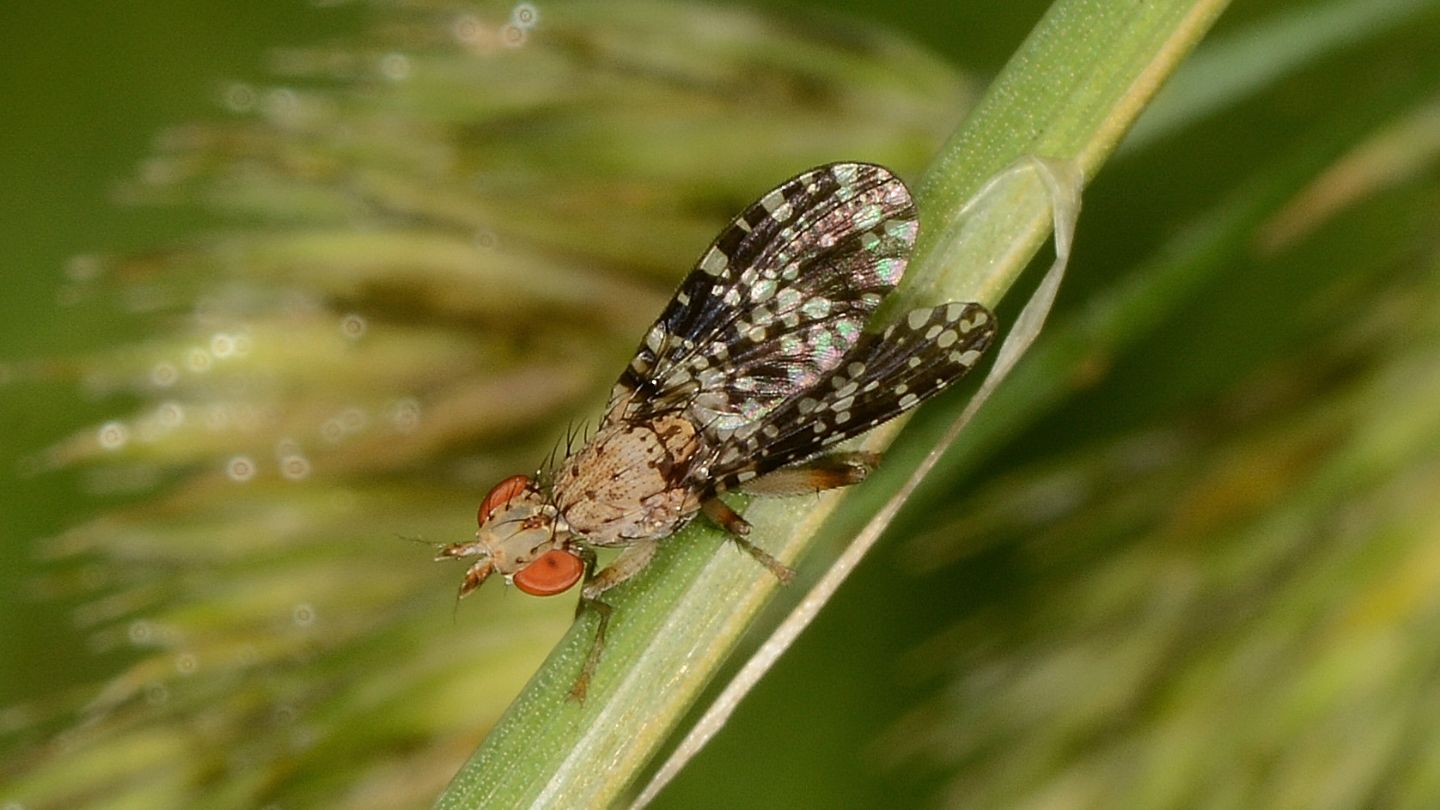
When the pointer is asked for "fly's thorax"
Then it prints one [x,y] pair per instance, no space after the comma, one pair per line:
[633,481]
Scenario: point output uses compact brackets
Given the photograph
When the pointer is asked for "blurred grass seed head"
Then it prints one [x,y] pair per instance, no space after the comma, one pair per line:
[437,245]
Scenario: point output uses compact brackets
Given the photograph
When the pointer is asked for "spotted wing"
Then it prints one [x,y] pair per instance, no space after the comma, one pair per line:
[885,375]
[775,303]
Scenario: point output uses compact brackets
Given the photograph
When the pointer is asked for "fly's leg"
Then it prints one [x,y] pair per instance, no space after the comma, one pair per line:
[736,526]
[827,472]
[726,518]
[817,475]
[631,561]
[588,555]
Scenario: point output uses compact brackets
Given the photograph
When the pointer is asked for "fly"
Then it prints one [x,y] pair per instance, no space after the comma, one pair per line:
[758,365]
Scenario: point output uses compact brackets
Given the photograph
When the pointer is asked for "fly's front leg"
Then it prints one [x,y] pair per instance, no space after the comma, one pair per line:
[588,555]
[631,561]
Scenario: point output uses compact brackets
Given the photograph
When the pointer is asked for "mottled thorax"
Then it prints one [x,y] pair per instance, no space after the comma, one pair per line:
[633,481]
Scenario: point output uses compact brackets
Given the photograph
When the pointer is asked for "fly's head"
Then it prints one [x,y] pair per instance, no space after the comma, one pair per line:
[522,538]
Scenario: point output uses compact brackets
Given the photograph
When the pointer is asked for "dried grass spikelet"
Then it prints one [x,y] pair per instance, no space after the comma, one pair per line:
[436,246]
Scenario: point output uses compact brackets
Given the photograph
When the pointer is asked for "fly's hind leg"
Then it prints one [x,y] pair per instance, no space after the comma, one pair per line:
[830,471]
[631,561]
[827,472]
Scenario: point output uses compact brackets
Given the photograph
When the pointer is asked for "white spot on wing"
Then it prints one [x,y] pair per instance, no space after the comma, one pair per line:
[714,262]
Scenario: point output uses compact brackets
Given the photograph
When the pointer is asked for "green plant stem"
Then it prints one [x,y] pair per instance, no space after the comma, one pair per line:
[1069,94]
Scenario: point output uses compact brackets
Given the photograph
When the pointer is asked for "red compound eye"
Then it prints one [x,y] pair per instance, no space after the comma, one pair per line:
[553,572]
[502,494]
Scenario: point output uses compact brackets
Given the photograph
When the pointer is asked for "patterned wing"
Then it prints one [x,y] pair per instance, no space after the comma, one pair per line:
[775,303]
[885,375]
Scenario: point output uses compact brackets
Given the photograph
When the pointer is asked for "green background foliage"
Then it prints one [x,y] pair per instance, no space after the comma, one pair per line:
[1185,558]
